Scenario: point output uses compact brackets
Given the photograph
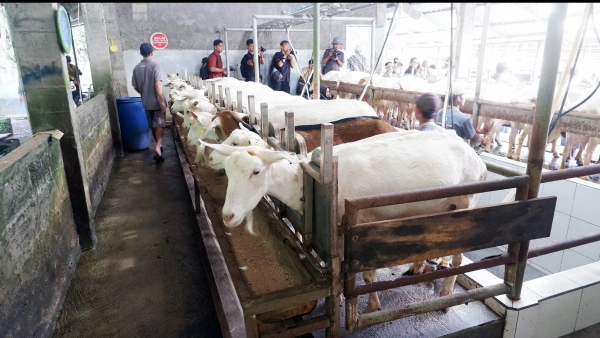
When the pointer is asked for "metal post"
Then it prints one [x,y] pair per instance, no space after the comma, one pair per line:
[326,152]
[238,103]
[289,131]
[227,98]
[484,28]
[372,44]
[221,101]
[537,60]
[226,54]
[316,48]
[251,111]
[256,46]
[213,93]
[541,123]
[264,121]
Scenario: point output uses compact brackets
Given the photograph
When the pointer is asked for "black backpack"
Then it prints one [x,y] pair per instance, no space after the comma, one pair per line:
[204,73]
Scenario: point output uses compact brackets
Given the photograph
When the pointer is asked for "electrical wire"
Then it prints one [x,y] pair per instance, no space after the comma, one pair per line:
[451,60]
[305,87]
[368,83]
[560,111]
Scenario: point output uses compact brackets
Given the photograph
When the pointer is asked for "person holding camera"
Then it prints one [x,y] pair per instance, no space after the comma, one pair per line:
[247,64]
[333,58]
[280,69]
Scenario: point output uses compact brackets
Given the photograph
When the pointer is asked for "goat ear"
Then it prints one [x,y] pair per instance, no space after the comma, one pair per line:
[274,156]
[242,127]
[222,148]
[194,115]
[211,126]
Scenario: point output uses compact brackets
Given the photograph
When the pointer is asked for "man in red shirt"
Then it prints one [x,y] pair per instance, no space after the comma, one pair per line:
[215,64]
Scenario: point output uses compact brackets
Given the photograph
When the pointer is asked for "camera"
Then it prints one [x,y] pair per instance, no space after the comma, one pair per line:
[292,52]
[262,49]
[336,53]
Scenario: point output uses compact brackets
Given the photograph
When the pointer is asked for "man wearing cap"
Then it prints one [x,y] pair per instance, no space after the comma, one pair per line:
[247,63]
[146,81]
[333,58]
[427,106]
[457,120]
[281,65]
[215,64]
[358,62]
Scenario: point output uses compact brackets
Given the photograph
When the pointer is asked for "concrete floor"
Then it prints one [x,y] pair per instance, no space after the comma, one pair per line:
[589,332]
[146,277]
[433,324]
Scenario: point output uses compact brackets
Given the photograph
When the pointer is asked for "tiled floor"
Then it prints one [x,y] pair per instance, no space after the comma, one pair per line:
[498,271]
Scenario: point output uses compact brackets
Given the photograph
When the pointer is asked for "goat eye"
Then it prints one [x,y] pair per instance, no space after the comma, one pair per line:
[256,172]
[235,144]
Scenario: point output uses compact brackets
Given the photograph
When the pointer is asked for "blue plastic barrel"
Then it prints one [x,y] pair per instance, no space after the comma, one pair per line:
[135,131]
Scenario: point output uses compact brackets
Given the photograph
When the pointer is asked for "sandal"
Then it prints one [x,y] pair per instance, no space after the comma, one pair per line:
[159,159]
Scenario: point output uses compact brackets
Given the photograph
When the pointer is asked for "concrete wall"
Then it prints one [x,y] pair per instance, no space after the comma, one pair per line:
[97,145]
[39,245]
[192,27]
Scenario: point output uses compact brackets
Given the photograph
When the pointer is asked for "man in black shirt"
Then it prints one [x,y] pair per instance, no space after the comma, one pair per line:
[282,61]
[412,67]
[247,64]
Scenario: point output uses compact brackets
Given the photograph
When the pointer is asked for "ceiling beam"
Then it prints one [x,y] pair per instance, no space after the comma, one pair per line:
[498,32]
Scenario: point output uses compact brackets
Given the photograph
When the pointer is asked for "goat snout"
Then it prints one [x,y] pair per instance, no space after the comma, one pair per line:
[227,218]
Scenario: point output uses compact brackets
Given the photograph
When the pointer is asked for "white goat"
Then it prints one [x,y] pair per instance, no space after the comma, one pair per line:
[239,138]
[254,172]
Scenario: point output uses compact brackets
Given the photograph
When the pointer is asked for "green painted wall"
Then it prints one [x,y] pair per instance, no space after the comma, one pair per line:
[39,246]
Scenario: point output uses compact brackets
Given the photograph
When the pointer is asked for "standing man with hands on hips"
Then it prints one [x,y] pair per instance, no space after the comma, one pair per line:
[333,58]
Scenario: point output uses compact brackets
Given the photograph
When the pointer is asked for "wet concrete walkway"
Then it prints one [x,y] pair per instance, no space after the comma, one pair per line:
[146,277]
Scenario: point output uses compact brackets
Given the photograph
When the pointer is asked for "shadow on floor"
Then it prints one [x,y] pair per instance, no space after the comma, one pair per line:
[146,277]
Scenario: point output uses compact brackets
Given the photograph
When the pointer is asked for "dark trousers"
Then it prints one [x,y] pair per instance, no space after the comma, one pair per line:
[281,86]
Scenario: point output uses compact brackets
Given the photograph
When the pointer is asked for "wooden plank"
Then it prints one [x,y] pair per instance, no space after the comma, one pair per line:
[304,327]
[251,327]
[251,110]
[394,242]
[321,242]
[209,211]
[264,120]
[288,140]
[238,104]
[229,309]
[308,208]
[285,298]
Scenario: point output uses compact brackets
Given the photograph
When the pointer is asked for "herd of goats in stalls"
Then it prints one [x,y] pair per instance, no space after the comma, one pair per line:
[187,100]
[223,140]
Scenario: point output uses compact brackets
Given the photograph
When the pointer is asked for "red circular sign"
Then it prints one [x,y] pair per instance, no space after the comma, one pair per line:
[159,41]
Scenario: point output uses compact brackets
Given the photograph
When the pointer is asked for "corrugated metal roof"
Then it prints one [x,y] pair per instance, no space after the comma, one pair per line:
[508,22]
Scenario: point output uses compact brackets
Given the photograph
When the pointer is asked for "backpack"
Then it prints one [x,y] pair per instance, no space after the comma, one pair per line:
[204,73]
[244,67]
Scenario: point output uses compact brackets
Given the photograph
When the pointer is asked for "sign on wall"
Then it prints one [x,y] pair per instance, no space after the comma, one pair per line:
[159,40]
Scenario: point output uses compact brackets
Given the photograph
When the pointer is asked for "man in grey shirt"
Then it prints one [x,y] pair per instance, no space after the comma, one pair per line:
[426,107]
[333,59]
[457,120]
[146,81]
